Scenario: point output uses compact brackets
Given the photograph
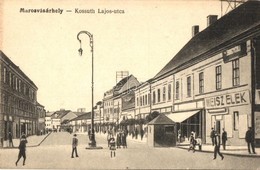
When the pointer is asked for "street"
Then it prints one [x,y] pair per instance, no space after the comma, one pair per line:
[55,153]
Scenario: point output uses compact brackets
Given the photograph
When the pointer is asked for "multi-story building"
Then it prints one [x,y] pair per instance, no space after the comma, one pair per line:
[48,121]
[108,106]
[143,103]
[41,119]
[18,101]
[216,77]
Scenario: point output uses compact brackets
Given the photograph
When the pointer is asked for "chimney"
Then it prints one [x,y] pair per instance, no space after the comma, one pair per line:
[195,30]
[211,19]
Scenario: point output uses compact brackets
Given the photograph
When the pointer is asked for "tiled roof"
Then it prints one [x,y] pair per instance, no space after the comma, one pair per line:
[59,114]
[121,83]
[241,22]
[84,116]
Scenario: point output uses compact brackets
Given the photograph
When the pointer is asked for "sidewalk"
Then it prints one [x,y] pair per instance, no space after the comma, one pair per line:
[33,141]
[240,151]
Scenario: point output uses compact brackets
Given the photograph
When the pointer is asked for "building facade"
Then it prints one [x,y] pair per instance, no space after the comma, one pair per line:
[18,100]
[215,77]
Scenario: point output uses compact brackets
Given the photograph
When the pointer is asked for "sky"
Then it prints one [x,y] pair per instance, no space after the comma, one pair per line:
[142,41]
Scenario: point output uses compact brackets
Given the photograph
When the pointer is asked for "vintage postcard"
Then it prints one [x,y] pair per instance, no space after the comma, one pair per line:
[120,84]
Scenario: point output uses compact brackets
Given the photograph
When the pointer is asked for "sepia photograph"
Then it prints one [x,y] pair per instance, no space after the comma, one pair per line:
[121,84]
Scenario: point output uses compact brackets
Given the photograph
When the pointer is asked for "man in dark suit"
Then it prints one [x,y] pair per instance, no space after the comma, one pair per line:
[217,146]
[74,146]
[224,138]
[22,152]
[250,140]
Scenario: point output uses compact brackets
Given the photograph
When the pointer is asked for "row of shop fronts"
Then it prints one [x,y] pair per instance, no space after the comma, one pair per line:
[212,82]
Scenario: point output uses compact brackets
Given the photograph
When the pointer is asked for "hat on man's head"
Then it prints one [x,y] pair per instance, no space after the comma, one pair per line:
[75,135]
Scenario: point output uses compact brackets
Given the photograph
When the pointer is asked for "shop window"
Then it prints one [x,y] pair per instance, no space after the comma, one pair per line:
[201,83]
[236,120]
[218,77]
[235,71]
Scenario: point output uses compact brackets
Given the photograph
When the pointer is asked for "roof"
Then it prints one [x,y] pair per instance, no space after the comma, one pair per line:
[17,69]
[242,21]
[85,116]
[161,119]
[121,83]
[48,114]
[60,114]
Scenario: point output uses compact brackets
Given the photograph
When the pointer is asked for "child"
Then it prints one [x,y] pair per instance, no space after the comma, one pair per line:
[112,146]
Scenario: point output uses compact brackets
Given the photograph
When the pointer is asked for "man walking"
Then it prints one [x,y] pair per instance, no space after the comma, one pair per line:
[250,140]
[217,146]
[22,147]
[212,135]
[74,146]
[224,138]
[10,137]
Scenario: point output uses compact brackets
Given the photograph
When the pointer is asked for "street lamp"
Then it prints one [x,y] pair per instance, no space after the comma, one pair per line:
[92,143]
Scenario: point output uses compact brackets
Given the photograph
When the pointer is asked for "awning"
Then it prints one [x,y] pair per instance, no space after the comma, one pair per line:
[181,116]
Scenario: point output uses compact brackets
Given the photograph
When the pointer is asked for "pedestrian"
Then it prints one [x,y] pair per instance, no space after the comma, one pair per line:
[217,146]
[108,139]
[112,147]
[199,142]
[250,140]
[212,135]
[224,138]
[142,134]
[124,144]
[179,135]
[192,143]
[74,146]
[10,137]
[22,149]
[118,140]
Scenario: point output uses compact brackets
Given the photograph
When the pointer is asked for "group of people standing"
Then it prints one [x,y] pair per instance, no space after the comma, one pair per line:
[120,138]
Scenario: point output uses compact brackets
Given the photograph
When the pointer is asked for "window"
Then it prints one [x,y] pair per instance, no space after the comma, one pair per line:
[236,120]
[19,85]
[141,101]
[159,95]
[201,83]
[218,77]
[154,97]
[10,79]
[235,71]
[177,90]
[16,83]
[5,75]
[149,98]
[137,101]
[146,99]
[169,91]
[189,86]
[164,93]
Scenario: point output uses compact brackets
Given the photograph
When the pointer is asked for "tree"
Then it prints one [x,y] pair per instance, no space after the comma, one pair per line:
[151,116]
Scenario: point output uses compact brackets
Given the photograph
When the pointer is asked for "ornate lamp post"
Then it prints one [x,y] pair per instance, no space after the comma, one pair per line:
[92,143]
